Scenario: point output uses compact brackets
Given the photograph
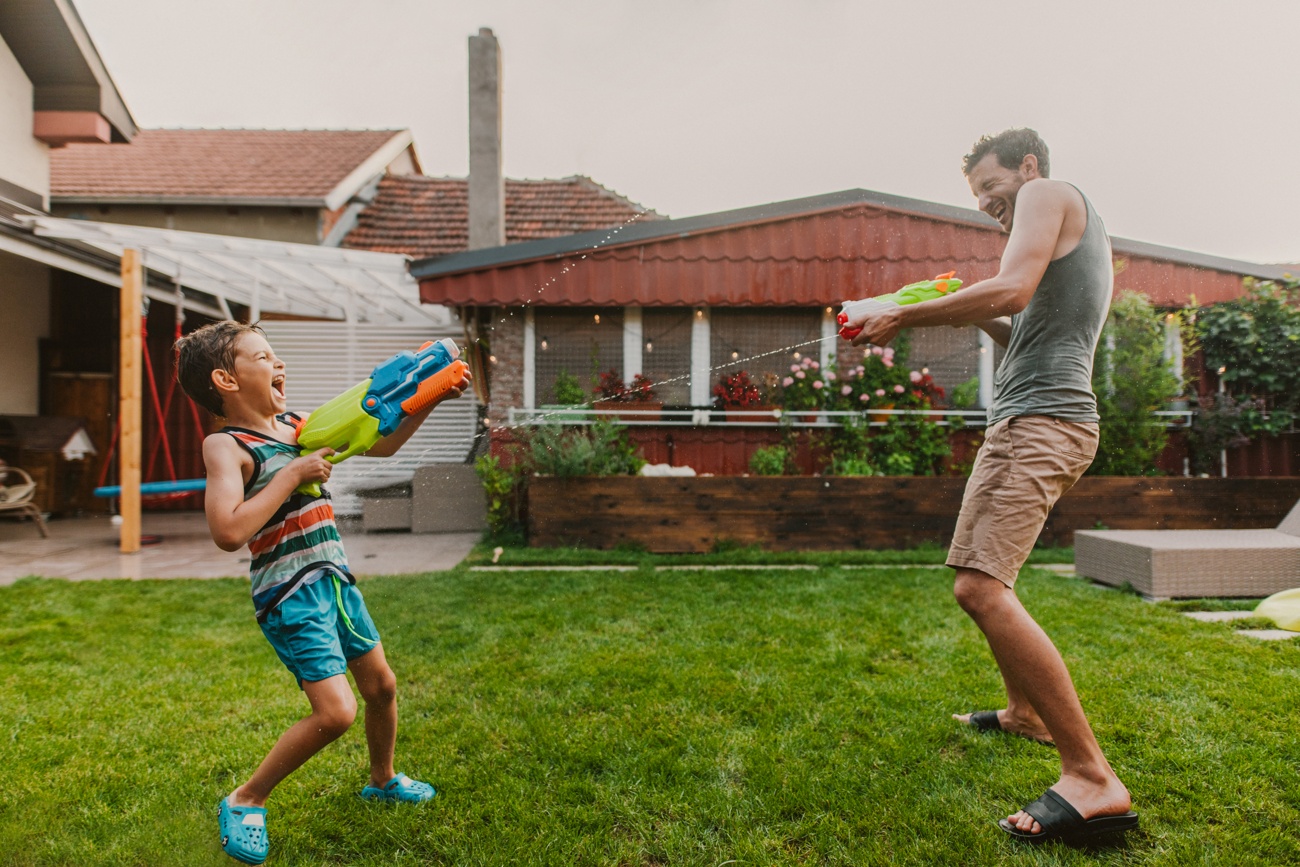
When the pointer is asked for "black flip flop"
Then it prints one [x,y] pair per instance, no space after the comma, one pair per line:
[1060,821]
[987,721]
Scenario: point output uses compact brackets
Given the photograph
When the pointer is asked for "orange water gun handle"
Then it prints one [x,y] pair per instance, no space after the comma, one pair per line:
[432,389]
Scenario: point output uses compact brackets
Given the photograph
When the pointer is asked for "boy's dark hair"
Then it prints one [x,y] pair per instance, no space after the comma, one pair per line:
[204,350]
[1010,147]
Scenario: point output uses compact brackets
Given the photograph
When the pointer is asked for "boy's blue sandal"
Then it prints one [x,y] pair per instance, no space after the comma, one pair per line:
[400,788]
[243,832]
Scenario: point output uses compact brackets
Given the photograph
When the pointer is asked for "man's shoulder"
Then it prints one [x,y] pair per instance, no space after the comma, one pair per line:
[1051,189]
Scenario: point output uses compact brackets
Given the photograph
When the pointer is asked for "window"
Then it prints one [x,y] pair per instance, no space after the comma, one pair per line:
[581,341]
[666,352]
[761,341]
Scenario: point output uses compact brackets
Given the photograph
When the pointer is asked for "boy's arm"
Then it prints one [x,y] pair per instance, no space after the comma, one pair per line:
[388,446]
[234,520]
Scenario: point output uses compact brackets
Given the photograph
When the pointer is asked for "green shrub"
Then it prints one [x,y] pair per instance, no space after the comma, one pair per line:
[501,487]
[909,445]
[1132,379]
[568,391]
[770,461]
[1256,341]
[967,394]
[600,449]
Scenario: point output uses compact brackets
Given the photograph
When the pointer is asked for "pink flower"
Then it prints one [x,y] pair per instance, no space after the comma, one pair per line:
[817,383]
[800,374]
[888,362]
[794,368]
[915,376]
[880,392]
[898,389]
[889,353]
[847,390]
[814,365]
[876,350]
[830,375]
[788,381]
[864,397]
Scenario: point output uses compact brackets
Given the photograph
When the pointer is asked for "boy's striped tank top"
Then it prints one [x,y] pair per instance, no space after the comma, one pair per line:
[301,538]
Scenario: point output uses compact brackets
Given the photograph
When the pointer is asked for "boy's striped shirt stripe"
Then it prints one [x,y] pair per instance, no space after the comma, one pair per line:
[299,538]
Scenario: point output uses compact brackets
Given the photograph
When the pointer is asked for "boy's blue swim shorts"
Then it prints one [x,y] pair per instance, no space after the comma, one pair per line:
[318,629]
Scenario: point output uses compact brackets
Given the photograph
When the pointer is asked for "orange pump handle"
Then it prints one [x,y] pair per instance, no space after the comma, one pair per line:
[435,387]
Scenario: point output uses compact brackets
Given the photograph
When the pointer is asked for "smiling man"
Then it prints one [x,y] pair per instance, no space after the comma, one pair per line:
[1047,306]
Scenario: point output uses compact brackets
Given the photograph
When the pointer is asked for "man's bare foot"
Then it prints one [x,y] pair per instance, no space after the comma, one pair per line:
[1028,726]
[1092,798]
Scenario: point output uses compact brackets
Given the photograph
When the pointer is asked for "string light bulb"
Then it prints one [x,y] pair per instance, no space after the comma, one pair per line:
[597,318]
[735,353]
[649,346]
[545,345]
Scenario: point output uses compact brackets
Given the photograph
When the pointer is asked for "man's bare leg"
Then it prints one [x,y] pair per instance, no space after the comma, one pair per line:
[1019,717]
[1032,666]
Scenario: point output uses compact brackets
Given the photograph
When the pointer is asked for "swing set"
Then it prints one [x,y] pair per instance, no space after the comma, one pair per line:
[126,442]
[170,488]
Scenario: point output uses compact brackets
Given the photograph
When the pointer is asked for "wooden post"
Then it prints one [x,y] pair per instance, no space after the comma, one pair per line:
[130,361]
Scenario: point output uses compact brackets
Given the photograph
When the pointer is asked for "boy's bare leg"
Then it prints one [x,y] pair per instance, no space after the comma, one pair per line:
[378,686]
[1031,665]
[333,708]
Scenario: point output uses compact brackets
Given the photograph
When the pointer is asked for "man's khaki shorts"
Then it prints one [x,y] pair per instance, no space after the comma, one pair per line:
[1023,468]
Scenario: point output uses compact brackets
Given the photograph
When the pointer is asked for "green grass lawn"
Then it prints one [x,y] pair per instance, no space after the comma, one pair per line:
[635,718]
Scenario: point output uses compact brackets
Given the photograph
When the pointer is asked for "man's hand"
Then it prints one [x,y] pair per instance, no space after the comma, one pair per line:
[878,326]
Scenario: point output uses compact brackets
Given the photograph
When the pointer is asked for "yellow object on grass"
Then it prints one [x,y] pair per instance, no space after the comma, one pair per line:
[1283,609]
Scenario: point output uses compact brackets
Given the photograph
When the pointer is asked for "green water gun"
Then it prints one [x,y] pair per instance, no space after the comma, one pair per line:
[372,409]
[912,293]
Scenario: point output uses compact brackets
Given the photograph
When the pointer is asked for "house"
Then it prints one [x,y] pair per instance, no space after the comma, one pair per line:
[685,301]
[54,92]
[425,217]
[305,186]
[62,280]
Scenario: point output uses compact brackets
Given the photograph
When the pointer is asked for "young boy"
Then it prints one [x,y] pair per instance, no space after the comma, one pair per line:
[305,599]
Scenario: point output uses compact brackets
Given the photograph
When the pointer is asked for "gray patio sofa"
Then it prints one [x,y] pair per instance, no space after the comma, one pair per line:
[1189,564]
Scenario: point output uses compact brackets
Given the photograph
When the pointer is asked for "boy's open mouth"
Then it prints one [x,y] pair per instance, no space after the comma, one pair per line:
[277,385]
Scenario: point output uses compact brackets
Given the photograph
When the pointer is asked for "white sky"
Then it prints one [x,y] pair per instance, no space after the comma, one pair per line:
[1179,118]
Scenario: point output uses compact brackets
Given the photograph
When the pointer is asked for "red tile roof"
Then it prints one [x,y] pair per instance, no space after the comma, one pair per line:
[213,164]
[422,216]
[816,251]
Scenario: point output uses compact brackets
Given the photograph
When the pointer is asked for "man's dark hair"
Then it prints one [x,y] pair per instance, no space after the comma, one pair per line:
[204,350]
[1010,147]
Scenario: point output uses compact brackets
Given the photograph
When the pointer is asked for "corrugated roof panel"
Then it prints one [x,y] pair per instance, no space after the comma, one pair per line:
[813,259]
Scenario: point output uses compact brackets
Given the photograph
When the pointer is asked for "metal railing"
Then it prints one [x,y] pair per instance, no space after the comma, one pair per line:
[709,416]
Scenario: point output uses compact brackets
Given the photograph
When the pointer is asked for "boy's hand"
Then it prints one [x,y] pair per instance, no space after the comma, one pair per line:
[313,467]
[459,388]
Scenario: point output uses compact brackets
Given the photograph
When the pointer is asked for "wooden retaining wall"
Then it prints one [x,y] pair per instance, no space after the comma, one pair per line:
[791,513]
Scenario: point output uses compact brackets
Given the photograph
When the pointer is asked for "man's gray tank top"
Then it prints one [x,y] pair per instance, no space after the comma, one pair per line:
[1047,369]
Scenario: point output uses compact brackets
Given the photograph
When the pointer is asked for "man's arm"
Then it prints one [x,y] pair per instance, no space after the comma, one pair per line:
[234,520]
[388,446]
[999,329]
[1040,213]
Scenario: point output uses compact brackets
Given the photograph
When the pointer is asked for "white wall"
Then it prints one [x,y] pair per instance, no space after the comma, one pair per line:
[24,320]
[23,160]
